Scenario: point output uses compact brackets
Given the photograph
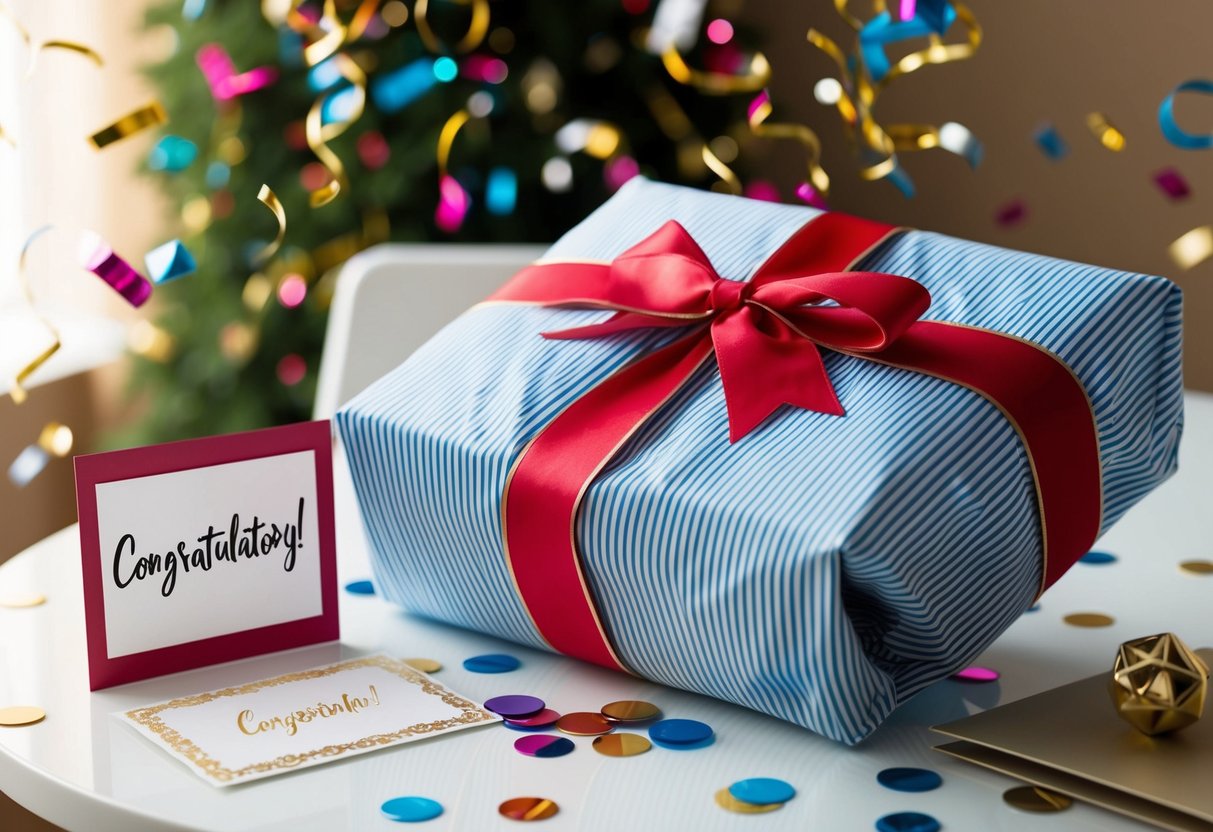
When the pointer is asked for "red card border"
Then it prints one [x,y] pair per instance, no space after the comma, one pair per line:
[93,469]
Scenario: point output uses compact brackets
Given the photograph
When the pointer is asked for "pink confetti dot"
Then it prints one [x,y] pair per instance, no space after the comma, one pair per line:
[763,190]
[976,674]
[292,290]
[619,170]
[291,369]
[720,31]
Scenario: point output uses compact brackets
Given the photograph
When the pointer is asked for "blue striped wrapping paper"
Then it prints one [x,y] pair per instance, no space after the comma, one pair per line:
[821,570]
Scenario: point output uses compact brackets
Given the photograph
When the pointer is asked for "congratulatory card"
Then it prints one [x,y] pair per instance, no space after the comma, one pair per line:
[296,720]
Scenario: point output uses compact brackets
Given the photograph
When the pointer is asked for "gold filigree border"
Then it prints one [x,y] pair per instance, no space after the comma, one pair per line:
[150,718]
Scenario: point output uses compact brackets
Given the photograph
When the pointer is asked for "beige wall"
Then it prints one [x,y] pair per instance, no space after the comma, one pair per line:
[1041,61]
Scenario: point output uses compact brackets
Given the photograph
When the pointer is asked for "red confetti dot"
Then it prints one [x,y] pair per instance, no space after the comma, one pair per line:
[295,135]
[635,6]
[373,150]
[291,369]
[222,204]
[314,176]
[1011,213]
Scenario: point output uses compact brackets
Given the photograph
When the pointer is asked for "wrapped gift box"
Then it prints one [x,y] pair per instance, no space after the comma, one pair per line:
[822,568]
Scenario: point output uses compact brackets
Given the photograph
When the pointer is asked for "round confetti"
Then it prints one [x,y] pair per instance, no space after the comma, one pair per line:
[360,588]
[631,710]
[492,663]
[907,822]
[584,724]
[621,745]
[528,808]
[1089,619]
[680,732]
[976,674]
[909,779]
[21,715]
[424,665]
[762,791]
[544,745]
[1036,799]
[1098,558]
[726,801]
[1197,567]
[515,706]
[291,369]
[22,601]
[411,809]
[535,722]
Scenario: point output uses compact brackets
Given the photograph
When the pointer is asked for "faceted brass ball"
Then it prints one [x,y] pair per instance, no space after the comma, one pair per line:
[1158,684]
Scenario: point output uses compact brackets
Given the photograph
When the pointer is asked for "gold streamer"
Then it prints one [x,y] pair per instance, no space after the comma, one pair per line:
[147,116]
[938,52]
[760,110]
[728,179]
[66,45]
[269,199]
[756,76]
[446,138]
[478,27]
[320,134]
[17,391]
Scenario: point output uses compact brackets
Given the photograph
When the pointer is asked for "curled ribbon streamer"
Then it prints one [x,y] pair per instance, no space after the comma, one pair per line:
[760,109]
[320,134]
[478,27]
[756,76]
[17,391]
[67,45]
[446,138]
[147,116]
[1166,117]
[269,199]
[718,167]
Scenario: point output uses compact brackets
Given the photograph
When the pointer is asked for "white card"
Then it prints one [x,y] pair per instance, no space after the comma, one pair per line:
[303,719]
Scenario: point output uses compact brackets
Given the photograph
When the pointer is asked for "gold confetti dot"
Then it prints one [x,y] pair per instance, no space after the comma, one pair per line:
[424,665]
[1089,619]
[1197,567]
[32,599]
[528,808]
[1036,799]
[621,745]
[631,710]
[21,715]
[1192,248]
[725,800]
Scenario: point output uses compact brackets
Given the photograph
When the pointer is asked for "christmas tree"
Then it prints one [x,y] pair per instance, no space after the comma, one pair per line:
[542,109]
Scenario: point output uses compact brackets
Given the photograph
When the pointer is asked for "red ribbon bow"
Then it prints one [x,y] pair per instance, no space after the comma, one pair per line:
[765,332]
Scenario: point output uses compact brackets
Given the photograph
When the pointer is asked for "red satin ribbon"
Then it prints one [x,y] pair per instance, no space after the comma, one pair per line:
[765,334]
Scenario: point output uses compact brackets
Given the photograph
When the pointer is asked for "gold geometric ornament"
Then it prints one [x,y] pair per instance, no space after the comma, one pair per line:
[1158,684]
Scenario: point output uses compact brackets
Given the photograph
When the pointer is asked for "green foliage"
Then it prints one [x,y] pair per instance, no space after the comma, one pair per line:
[201,389]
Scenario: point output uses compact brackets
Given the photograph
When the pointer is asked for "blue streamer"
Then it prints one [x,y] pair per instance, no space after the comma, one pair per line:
[1166,117]
[882,30]
[501,192]
[401,87]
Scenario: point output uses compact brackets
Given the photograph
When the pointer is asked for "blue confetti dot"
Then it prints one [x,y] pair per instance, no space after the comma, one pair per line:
[685,746]
[907,822]
[445,69]
[1098,558]
[1034,608]
[492,663]
[909,779]
[360,588]
[762,791]
[679,732]
[411,809]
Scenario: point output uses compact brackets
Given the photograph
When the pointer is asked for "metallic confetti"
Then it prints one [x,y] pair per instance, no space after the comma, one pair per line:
[1166,117]
[762,791]
[680,731]
[976,674]
[269,199]
[515,706]
[360,588]
[726,801]
[133,122]
[169,262]
[753,76]
[221,76]
[1197,567]
[584,724]
[119,275]
[1096,558]
[36,48]
[19,602]
[424,665]
[1050,141]
[21,715]
[528,808]
[492,663]
[478,27]
[1172,183]
[319,133]
[630,710]
[1036,799]
[907,822]
[172,154]
[1011,213]
[410,809]
[1192,248]
[909,779]
[17,390]
[1089,619]
[546,718]
[621,745]
[544,745]
[1105,132]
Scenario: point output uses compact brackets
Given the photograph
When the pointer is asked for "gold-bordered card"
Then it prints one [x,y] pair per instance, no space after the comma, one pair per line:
[243,733]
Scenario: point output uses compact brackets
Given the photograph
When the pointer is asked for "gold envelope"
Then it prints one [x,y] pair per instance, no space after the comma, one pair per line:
[1071,740]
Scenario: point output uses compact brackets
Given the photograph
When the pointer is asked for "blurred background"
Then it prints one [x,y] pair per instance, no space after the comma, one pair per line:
[1032,125]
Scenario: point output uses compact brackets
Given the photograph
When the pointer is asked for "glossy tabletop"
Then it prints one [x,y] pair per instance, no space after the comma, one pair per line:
[83,770]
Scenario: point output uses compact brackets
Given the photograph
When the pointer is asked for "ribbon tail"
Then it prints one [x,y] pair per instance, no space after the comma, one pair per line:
[764,363]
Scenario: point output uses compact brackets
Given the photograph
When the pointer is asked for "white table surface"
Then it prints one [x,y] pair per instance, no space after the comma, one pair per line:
[84,770]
